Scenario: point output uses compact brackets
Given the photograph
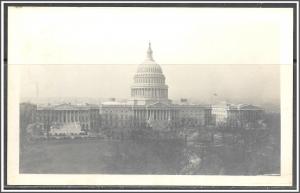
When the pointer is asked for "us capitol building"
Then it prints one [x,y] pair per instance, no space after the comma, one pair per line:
[148,107]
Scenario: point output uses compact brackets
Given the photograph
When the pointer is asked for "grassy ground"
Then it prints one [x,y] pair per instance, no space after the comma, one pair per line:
[101,156]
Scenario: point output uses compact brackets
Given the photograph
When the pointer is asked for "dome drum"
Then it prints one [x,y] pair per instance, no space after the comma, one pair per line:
[155,93]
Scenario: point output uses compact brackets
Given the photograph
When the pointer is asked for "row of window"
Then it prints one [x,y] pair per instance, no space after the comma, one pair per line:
[150,80]
[154,69]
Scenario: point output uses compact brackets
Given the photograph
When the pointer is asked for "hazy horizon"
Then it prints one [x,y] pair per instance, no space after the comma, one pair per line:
[249,83]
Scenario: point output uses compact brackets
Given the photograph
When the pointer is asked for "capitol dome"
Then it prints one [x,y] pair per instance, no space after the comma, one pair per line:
[149,81]
[149,65]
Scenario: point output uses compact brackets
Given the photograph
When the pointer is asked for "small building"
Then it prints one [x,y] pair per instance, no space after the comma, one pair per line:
[232,115]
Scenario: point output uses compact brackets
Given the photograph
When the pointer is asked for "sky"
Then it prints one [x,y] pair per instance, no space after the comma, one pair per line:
[94,52]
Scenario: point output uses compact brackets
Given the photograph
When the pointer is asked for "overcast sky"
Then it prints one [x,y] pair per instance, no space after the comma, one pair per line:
[233,52]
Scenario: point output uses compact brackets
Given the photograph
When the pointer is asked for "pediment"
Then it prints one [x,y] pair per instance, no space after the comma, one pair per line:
[65,107]
[249,107]
[158,104]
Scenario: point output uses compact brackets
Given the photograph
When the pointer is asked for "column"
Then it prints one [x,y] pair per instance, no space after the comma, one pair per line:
[153,112]
[166,114]
[67,116]
[141,116]
[75,116]
[72,116]
[160,114]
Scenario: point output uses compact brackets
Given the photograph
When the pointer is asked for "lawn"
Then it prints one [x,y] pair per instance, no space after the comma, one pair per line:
[101,156]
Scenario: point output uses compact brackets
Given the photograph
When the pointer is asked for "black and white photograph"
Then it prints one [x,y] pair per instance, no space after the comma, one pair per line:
[150,95]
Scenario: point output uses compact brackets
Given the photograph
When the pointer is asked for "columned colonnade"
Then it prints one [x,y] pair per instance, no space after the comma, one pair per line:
[65,116]
[87,118]
[150,92]
[155,114]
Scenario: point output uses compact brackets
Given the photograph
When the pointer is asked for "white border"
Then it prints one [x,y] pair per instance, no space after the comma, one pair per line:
[93,2]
